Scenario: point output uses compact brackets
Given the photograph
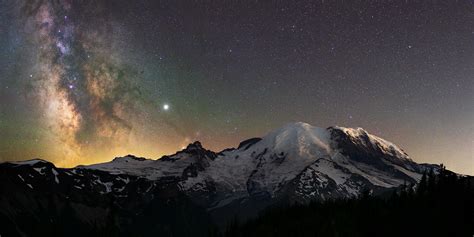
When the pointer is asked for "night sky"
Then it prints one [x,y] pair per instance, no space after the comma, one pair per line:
[84,81]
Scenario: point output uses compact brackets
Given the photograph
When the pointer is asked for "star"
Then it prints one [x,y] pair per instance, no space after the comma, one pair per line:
[166,107]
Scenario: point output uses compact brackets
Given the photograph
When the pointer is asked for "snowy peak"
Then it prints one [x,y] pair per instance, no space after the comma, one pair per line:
[344,161]
[300,135]
[298,139]
[304,140]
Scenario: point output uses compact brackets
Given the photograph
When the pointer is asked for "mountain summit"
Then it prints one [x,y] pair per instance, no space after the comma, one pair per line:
[297,163]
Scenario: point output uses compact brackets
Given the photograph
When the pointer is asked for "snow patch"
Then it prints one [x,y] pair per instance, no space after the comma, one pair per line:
[55,173]
[19,176]
[40,170]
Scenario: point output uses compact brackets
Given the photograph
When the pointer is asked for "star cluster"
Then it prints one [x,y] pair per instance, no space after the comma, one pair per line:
[83,81]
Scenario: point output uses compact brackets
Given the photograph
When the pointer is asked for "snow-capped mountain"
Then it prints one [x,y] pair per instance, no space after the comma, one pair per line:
[296,163]
[318,163]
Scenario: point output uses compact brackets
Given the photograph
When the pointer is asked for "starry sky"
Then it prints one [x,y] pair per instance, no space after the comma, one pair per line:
[83,81]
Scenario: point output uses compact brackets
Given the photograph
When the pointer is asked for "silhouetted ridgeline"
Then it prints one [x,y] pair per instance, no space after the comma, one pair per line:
[441,205]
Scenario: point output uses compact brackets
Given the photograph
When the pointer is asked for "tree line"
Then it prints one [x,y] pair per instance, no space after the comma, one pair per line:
[441,204]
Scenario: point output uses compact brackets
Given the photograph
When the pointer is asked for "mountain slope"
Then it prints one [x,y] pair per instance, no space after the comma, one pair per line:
[296,163]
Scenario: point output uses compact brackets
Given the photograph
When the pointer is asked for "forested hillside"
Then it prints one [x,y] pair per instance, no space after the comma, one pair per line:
[441,205]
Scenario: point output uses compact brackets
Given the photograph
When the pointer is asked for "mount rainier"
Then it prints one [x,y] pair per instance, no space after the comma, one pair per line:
[297,163]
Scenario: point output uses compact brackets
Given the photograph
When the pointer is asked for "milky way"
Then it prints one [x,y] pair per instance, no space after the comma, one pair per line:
[85,95]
